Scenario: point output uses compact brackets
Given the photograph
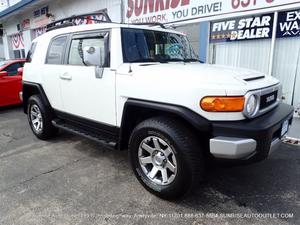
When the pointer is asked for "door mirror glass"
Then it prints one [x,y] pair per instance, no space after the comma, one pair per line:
[20,71]
[3,73]
[93,56]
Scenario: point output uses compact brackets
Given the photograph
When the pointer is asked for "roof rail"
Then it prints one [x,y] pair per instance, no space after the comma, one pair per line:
[151,24]
[71,21]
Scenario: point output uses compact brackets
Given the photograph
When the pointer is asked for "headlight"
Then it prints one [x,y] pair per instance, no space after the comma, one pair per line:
[251,105]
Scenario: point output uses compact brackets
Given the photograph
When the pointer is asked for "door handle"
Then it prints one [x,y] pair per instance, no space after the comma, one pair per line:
[65,76]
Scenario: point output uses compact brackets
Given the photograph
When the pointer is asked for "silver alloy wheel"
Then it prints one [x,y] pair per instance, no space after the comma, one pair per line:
[157,160]
[36,118]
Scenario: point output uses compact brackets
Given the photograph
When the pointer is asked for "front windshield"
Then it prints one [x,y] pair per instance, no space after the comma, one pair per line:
[155,46]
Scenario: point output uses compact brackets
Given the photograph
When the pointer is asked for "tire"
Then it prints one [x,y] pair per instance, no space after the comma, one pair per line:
[38,113]
[186,157]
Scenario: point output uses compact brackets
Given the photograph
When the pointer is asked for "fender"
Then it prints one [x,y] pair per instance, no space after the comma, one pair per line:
[133,109]
[30,89]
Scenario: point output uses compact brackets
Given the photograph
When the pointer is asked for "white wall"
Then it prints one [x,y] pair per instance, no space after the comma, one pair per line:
[286,67]
[8,53]
[1,49]
[62,9]
[27,39]
[248,54]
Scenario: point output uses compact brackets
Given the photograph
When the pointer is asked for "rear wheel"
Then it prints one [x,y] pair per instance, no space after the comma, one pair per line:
[166,157]
[40,118]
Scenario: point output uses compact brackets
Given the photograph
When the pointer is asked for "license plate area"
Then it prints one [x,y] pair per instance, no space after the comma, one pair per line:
[284,128]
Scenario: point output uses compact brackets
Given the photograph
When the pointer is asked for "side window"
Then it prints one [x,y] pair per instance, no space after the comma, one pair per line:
[12,70]
[31,52]
[78,45]
[56,51]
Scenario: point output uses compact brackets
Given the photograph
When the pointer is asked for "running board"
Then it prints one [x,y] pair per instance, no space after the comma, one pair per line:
[84,133]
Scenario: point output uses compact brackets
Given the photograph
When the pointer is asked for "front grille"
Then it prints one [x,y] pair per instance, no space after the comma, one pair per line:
[268,99]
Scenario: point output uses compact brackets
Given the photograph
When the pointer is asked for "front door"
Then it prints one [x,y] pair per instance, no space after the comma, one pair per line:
[89,91]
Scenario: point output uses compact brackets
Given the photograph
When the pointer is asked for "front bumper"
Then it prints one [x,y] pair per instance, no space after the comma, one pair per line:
[250,140]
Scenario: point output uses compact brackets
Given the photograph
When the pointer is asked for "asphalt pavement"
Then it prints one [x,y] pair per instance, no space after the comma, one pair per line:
[71,180]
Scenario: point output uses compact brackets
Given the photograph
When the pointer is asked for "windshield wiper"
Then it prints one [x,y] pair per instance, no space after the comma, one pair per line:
[192,60]
[184,60]
[145,60]
[175,60]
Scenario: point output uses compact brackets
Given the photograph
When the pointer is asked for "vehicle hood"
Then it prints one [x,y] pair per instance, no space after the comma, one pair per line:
[231,79]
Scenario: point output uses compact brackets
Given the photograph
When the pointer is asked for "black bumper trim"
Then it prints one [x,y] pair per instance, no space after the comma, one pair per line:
[263,129]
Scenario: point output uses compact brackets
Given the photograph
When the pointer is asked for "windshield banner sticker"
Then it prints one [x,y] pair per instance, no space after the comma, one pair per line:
[288,24]
[241,29]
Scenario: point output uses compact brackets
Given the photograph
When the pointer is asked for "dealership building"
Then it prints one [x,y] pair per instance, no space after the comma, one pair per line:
[262,35]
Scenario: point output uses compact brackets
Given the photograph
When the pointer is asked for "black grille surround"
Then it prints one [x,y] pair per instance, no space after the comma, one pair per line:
[268,99]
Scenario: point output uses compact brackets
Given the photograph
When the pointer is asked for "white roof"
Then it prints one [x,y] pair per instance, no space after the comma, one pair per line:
[89,27]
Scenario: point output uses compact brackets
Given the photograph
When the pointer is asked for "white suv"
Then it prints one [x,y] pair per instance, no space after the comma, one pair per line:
[142,88]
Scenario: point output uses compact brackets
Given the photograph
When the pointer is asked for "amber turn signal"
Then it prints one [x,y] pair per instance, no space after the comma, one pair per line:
[223,104]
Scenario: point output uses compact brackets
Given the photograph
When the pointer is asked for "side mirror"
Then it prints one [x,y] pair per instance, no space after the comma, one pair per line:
[20,71]
[93,56]
[3,73]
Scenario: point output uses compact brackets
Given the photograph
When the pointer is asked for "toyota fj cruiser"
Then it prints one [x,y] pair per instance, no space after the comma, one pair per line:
[142,88]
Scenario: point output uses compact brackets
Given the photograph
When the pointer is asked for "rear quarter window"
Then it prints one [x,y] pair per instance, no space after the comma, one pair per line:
[56,50]
[31,52]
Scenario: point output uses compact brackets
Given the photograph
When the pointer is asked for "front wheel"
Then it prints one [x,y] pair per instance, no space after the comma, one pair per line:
[166,157]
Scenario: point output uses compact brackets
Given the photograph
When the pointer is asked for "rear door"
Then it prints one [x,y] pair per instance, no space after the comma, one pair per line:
[52,70]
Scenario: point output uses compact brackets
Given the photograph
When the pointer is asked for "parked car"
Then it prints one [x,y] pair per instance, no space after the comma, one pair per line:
[142,88]
[11,81]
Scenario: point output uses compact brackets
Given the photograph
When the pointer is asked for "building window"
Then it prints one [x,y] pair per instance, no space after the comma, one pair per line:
[44,10]
[19,54]
[18,46]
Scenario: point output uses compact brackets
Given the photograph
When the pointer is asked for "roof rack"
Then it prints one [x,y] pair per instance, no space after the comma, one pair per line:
[151,24]
[71,21]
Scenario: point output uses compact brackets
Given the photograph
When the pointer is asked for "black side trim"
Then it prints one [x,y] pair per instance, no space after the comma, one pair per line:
[110,132]
[199,122]
[136,110]
[263,129]
[29,89]
[104,140]
[258,126]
